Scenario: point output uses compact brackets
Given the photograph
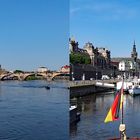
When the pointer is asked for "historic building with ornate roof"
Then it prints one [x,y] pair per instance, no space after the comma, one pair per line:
[100,57]
[99,64]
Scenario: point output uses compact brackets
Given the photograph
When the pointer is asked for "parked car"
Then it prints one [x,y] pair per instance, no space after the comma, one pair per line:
[105,77]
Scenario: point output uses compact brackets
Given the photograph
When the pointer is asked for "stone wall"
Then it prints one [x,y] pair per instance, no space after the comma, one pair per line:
[86,90]
[88,72]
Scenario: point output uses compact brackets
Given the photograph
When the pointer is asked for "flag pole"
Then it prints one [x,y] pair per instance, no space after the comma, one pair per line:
[122,125]
[122,101]
[122,113]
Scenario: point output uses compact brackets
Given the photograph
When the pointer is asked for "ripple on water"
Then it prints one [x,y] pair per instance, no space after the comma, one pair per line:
[26,113]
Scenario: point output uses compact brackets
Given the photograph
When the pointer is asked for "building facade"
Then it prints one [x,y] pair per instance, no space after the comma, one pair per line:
[65,69]
[129,66]
[42,69]
[100,57]
[100,61]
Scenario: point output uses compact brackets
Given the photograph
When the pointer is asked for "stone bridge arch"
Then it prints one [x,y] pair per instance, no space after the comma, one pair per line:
[2,76]
[56,74]
[44,75]
[25,76]
[16,76]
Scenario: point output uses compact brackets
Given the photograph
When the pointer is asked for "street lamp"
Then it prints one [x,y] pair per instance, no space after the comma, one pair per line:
[96,75]
[83,77]
[72,76]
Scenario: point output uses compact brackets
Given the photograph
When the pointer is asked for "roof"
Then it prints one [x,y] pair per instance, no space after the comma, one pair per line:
[66,67]
[114,63]
[118,59]
[125,59]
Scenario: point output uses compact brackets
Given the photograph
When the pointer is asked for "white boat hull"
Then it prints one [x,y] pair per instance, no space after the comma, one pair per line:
[126,85]
[134,91]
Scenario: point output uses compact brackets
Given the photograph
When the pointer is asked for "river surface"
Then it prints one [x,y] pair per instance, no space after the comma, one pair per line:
[94,109]
[28,111]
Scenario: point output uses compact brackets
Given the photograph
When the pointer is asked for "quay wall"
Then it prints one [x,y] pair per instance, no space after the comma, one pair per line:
[86,88]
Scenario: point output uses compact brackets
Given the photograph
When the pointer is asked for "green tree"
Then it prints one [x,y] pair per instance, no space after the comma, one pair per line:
[18,71]
[78,58]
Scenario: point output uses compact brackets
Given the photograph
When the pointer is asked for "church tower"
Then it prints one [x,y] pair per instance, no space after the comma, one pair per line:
[134,53]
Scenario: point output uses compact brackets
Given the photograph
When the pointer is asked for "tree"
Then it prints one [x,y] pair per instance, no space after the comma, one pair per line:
[78,58]
[18,71]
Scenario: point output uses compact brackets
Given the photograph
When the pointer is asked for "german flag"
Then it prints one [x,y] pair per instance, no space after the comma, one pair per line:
[113,113]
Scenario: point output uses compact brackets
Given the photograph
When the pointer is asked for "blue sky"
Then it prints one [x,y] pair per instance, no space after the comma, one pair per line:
[34,33]
[113,24]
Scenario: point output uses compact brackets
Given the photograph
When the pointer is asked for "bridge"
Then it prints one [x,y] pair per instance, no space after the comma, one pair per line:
[23,76]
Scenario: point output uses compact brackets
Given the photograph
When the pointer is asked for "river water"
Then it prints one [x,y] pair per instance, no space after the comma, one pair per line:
[94,109]
[28,111]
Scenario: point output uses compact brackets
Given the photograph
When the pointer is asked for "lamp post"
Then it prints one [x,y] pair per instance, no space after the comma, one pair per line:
[96,75]
[83,77]
[72,76]
[111,76]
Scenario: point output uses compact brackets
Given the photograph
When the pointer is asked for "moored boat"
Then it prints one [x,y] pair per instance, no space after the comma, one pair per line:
[135,88]
[74,114]
[131,86]
[126,85]
[113,113]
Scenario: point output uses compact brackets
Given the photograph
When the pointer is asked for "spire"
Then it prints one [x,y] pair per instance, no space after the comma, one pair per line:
[134,53]
[134,47]
[134,43]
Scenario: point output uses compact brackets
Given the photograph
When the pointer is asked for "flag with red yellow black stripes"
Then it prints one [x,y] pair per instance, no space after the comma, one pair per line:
[113,113]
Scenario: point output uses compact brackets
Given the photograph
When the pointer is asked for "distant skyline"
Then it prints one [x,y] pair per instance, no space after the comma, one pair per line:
[113,24]
[34,33]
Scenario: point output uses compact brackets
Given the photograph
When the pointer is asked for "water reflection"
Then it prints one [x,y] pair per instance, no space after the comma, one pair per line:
[94,109]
